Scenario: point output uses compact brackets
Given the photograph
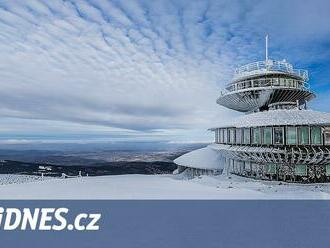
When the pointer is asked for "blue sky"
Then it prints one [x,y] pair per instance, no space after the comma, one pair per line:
[82,71]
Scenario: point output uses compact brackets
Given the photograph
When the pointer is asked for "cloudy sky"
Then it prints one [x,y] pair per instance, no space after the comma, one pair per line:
[143,70]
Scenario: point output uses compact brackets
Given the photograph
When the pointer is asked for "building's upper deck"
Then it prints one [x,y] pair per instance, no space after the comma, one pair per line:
[269,67]
[261,84]
[265,85]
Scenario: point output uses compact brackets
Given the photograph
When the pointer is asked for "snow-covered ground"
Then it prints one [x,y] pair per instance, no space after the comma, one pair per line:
[18,179]
[159,187]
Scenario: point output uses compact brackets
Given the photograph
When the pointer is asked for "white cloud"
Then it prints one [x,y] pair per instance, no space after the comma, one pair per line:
[133,65]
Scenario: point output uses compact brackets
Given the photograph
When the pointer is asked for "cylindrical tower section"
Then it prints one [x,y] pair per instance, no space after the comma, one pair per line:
[259,85]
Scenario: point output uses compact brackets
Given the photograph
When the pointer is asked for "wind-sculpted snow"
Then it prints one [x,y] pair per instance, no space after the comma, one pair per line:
[204,158]
[18,179]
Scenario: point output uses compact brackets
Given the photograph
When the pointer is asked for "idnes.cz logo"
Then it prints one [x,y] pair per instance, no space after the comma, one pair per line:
[46,219]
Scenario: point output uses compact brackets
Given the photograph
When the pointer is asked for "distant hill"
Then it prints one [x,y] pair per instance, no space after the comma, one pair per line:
[94,162]
[106,168]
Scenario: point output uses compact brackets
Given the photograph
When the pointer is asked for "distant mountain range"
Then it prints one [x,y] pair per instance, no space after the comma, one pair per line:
[92,163]
[107,168]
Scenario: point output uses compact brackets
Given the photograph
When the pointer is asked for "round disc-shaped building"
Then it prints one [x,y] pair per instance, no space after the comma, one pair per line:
[277,138]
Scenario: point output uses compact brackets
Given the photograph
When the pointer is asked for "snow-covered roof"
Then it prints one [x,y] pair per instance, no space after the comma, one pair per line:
[204,158]
[280,117]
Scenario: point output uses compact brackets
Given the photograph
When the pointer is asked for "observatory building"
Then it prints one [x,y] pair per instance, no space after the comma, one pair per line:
[277,138]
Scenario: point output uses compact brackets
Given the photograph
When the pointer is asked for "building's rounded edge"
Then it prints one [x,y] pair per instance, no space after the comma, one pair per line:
[204,158]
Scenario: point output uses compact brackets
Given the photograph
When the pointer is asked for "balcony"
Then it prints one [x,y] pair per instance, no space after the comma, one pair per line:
[269,66]
[275,82]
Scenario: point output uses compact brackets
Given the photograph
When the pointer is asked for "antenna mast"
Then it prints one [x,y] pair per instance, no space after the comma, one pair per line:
[266,39]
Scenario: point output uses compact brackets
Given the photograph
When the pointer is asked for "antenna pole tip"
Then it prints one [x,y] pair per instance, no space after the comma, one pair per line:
[266,47]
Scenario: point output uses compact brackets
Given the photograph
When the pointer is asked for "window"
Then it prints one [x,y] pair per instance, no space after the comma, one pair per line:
[216,135]
[267,82]
[270,168]
[327,169]
[231,165]
[255,83]
[254,167]
[231,136]
[300,170]
[256,136]
[267,136]
[303,135]
[316,135]
[291,136]
[240,166]
[246,136]
[327,136]
[238,136]
[278,135]
[225,136]
[247,166]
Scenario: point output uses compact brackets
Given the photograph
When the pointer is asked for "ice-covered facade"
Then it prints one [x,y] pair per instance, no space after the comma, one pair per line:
[277,138]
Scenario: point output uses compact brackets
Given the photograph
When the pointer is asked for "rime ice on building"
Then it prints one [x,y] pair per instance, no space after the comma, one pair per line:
[277,138]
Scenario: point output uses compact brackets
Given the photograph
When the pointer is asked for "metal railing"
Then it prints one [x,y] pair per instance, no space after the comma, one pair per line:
[267,82]
[270,65]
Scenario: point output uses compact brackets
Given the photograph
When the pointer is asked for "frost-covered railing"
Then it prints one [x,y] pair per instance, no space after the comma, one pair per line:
[267,82]
[269,65]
